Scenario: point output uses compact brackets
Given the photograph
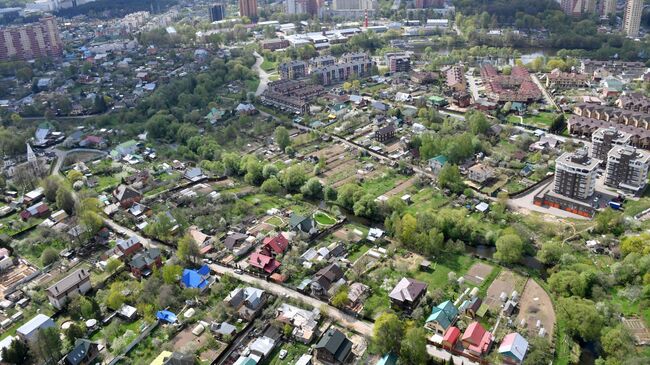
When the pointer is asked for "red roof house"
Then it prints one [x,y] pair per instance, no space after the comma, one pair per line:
[37,210]
[277,244]
[262,262]
[476,339]
[451,337]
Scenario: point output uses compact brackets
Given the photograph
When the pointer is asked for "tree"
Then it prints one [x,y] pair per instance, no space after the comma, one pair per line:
[188,250]
[271,186]
[567,283]
[48,346]
[17,353]
[65,199]
[581,317]
[74,332]
[112,265]
[282,137]
[387,333]
[312,188]
[99,104]
[340,300]
[609,221]
[171,273]
[636,244]
[347,195]
[539,352]
[50,186]
[414,347]
[550,253]
[478,123]
[293,178]
[74,176]
[449,178]
[617,342]
[49,256]
[269,170]
[558,124]
[510,248]
[365,207]
[330,193]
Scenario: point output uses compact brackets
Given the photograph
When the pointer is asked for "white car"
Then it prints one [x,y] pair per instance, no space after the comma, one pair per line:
[283,354]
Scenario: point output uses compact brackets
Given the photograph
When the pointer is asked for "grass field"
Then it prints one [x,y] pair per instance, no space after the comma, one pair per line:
[438,276]
[324,219]
[358,252]
[542,120]
[268,65]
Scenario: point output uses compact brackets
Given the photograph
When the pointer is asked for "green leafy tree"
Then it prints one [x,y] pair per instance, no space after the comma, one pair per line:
[171,273]
[330,193]
[581,317]
[510,248]
[340,299]
[449,178]
[74,176]
[539,352]
[112,265]
[50,186]
[269,170]
[365,206]
[49,256]
[271,186]
[478,123]
[293,178]
[282,137]
[65,199]
[617,342]
[312,188]
[74,332]
[188,251]
[18,353]
[414,347]
[387,333]
[48,346]
[550,253]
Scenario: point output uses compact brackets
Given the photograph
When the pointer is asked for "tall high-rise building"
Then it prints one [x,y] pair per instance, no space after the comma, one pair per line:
[248,8]
[575,175]
[627,168]
[310,7]
[607,7]
[604,139]
[34,40]
[578,7]
[632,17]
[217,12]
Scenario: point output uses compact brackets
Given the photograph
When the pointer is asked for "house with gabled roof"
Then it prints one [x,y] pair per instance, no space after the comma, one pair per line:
[406,295]
[197,279]
[84,353]
[126,196]
[277,244]
[304,224]
[248,301]
[442,317]
[128,247]
[238,243]
[264,263]
[513,348]
[325,279]
[143,262]
[77,283]
[476,340]
[334,348]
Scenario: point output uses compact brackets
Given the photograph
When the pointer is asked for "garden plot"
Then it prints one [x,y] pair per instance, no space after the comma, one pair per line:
[14,275]
[506,282]
[352,179]
[638,330]
[348,234]
[478,273]
[535,304]
[404,185]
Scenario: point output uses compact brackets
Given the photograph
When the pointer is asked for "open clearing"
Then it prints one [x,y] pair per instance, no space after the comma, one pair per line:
[506,282]
[535,304]
[477,273]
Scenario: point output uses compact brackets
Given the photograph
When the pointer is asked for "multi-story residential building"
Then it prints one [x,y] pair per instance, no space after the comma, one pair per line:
[311,7]
[217,12]
[455,79]
[632,17]
[321,61]
[290,95]
[589,118]
[575,175]
[604,139]
[627,169]
[398,61]
[293,70]
[578,7]
[518,86]
[424,4]
[274,44]
[348,66]
[634,102]
[557,79]
[616,68]
[34,40]
[353,8]
[77,283]
[248,8]
[607,7]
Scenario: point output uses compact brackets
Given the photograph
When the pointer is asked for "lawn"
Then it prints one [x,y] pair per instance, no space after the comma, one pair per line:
[12,224]
[268,65]
[324,219]
[294,351]
[437,277]
[105,183]
[381,185]
[357,252]
[542,120]
[276,221]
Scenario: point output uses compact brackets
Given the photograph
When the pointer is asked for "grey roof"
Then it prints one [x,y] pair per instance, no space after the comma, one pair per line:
[128,243]
[69,281]
[407,290]
[335,342]
[79,352]
[40,321]
[232,240]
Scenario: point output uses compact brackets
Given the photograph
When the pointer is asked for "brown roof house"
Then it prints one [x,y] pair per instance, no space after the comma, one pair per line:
[407,294]
[126,196]
[334,348]
[325,279]
[77,283]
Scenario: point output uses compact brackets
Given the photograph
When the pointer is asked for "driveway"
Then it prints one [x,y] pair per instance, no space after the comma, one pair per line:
[362,327]
[264,77]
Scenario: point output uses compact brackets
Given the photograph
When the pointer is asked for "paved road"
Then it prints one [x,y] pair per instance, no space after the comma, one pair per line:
[362,327]
[126,231]
[548,97]
[264,77]
[61,155]
[524,204]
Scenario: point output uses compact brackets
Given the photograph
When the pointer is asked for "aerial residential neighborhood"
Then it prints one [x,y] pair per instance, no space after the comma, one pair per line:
[324,182]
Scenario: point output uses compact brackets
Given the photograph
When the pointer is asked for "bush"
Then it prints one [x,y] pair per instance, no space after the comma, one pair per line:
[49,256]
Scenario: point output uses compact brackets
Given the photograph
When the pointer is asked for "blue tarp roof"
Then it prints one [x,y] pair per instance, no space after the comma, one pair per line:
[195,279]
[166,316]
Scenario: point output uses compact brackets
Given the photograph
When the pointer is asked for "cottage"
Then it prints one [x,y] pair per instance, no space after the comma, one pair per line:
[195,174]
[450,338]
[126,196]
[480,173]
[38,210]
[304,322]
[264,263]
[197,279]
[246,301]
[513,349]
[325,279]
[442,317]
[277,244]
[407,294]
[129,247]
[238,243]
[334,348]
[27,332]
[143,262]
[476,339]
[84,353]
[77,283]
[357,294]
[471,307]
[436,163]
